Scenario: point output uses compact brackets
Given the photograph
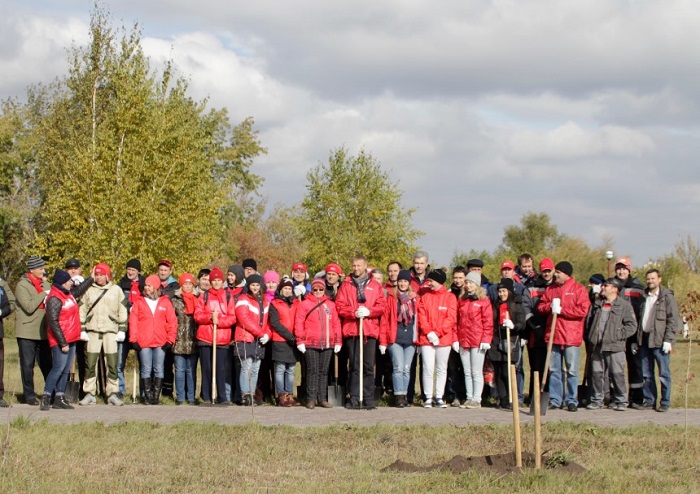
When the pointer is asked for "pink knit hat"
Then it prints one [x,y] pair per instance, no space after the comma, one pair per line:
[271,276]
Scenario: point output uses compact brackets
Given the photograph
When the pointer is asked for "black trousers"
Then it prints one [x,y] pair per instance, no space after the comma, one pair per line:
[368,348]
[455,386]
[2,367]
[31,351]
[536,357]
[169,373]
[317,363]
[205,359]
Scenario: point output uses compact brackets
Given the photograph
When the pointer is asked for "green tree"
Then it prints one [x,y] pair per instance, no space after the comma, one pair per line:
[130,165]
[534,235]
[351,206]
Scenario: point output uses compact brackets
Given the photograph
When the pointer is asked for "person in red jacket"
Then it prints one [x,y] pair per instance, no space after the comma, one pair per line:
[63,316]
[437,318]
[474,333]
[317,332]
[397,332]
[215,307]
[360,301]
[282,311]
[252,333]
[569,301]
[152,331]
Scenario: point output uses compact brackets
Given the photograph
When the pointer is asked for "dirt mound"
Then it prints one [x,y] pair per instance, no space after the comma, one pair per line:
[500,464]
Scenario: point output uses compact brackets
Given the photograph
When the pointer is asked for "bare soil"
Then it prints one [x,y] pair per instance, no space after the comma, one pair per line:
[498,464]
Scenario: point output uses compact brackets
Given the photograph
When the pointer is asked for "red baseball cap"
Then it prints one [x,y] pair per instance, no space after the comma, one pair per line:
[625,261]
[334,268]
[507,265]
[546,264]
[299,265]
[165,262]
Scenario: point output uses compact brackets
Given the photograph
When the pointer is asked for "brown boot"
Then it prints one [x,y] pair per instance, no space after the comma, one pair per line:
[311,404]
[325,404]
[292,402]
[285,400]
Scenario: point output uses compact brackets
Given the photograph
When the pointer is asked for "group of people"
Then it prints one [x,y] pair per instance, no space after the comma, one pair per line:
[247,332]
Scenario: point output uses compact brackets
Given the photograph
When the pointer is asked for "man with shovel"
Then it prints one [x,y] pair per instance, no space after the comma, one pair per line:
[567,301]
[360,304]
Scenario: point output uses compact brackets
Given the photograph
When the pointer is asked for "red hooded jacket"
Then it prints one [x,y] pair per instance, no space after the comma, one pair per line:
[474,322]
[346,304]
[317,326]
[437,312]
[208,303]
[575,303]
[250,325]
[151,330]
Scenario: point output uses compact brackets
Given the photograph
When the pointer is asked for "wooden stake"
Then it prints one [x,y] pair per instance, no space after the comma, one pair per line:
[516,422]
[133,393]
[510,380]
[362,360]
[549,350]
[215,320]
[538,420]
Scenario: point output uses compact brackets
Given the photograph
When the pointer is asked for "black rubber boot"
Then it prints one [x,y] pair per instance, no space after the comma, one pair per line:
[147,390]
[45,402]
[155,390]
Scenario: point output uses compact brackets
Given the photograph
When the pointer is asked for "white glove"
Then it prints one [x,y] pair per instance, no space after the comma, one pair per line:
[301,347]
[484,347]
[556,306]
[382,349]
[523,343]
[361,312]
[666,347]
[121,336]
[77,279]
[433,338]
[455,346]
[417,350]
[299,290]
[596,288]
[634,348]
[84,336]
[508,324]
[336,349]
[46,292]
[265,338]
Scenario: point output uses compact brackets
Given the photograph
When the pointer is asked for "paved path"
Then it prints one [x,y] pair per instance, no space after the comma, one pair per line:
[301,417]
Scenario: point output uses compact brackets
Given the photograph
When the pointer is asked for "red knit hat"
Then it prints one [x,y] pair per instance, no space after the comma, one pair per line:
[299,265]
[216,274]
[103,268]
[184,278]
[154,281]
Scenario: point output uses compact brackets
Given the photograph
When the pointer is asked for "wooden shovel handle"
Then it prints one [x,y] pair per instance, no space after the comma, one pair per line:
[549,351]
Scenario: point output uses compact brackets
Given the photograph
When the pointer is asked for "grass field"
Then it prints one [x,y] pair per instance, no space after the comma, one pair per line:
[188,457]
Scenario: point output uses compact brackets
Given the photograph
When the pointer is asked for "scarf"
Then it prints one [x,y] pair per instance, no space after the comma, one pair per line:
[502,312]
[269,295]
[406,307]
[37,286]
[134,292]
[360,283]
[190,300]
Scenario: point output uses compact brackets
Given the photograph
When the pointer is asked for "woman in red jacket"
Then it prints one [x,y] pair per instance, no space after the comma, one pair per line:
[252,332]
[474,332]
[437,317]
[317,331]
[282,311]
[215,306]
[63,316]
[396,332]
[152,331]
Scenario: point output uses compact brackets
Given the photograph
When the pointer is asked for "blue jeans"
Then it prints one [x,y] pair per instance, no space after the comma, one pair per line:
[185,376]
[58,375]
[122,353]
[569,356]
[401,358]
[250,367]
[649,356]
[284,378]
[152,362]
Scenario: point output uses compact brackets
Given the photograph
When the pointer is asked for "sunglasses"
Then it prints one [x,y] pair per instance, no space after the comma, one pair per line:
[318,290]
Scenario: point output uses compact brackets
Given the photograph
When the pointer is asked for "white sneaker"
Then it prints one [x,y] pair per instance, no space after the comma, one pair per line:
[428,403]
[88,400]
[114,400]
[440,404]
[472,404]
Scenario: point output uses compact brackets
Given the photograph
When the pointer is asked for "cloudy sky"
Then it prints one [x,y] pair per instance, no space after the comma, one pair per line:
[480,110]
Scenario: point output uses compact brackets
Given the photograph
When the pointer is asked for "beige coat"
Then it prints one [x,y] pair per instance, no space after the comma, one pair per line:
[109,315]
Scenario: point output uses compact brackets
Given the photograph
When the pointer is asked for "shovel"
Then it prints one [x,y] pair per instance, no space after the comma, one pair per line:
[72,386]
[362,361]
[544,395]
[510,392]
[336,393]
[215,320]
[584,391]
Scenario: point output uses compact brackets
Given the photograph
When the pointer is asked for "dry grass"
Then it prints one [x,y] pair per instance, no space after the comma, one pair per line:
[141,457]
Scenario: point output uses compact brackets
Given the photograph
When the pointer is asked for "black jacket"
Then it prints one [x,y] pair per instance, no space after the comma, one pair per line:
[5,310]
[498,351]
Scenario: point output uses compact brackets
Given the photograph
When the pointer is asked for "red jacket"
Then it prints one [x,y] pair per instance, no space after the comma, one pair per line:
[317,326]
[249,323]
[418,287]
[346,303]
[437,312]
[151,330]
[568,330]
[286,314]
[216,301]
[390,320]
[68,318]
[474,322]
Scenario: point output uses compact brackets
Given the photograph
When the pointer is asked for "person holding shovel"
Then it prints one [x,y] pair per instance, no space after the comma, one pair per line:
[215,313]
[318,335]
[508,323]
[360,303]
[63,317]
[569,301]
[152,331]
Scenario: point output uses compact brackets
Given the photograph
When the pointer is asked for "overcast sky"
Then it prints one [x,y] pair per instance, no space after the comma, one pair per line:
[480,110]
